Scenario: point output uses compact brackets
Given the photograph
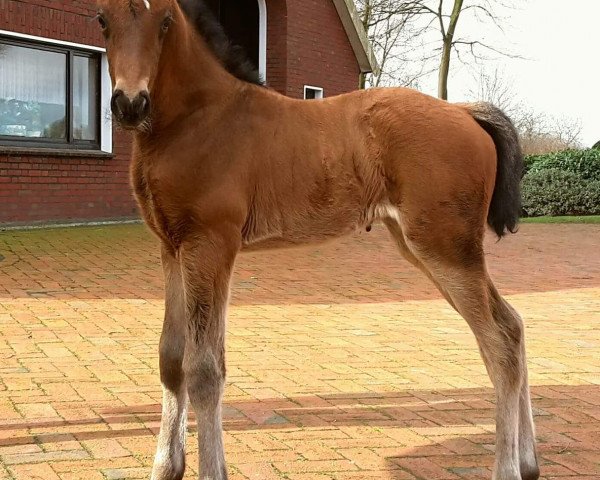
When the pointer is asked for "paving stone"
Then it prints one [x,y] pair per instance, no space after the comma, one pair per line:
[344,362]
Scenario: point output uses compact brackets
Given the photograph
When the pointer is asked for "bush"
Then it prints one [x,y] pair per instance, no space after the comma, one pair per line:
[554,192]
[585,163]
[530,160]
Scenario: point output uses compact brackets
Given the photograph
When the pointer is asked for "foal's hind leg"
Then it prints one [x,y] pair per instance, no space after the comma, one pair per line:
[505,315]
[461,276]
[396,231]
[169,463]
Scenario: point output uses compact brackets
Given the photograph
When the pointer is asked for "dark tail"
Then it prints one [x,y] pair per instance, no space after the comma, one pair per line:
[505,208]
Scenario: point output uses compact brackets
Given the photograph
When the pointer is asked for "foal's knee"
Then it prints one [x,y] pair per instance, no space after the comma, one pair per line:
[205,376]
[170,362]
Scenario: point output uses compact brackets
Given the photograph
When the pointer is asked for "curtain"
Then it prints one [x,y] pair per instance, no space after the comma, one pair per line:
[32,75]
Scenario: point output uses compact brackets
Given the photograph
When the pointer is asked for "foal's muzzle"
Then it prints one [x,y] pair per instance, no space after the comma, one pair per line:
[130,113]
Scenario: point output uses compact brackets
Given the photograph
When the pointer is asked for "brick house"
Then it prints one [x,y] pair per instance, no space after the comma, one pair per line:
[60,158]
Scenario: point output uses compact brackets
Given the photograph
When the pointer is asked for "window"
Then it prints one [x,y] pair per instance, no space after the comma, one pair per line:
[49,96]
[312,93]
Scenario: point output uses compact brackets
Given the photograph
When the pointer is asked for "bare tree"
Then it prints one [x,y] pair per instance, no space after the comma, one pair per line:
[443,16]
[493,88]
[539,132]
[391,30]
[568,131]
[398,28]
[551,134]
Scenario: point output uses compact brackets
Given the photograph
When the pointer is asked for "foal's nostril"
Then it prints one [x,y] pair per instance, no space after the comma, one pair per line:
[128,112]
[142,105]
[119,103]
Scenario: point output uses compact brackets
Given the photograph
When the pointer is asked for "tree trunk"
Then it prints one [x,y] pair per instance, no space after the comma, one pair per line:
[444,70]
[447,50]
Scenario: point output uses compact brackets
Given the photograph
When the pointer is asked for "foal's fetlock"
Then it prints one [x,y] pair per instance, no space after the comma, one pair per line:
[507,476]
[224,476]
[224,472]
[169,469]
[529,465]
[506,473]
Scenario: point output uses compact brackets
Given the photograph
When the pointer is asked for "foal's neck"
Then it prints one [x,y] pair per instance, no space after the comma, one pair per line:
[189,77]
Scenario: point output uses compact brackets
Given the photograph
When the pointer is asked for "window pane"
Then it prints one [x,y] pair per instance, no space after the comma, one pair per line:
[85,91]
[310,94]
[32,92]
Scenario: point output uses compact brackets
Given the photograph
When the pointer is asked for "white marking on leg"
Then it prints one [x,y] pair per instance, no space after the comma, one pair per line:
[170,453]
[527,451]
[211,442]
[507,435]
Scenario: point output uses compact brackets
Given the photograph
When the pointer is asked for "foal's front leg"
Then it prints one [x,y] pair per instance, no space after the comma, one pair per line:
[169,463]
[206,265]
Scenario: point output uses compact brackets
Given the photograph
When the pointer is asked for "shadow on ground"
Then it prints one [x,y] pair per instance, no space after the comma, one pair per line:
[411,409]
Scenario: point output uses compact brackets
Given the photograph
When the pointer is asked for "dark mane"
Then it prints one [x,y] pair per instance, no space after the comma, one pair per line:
[233,57]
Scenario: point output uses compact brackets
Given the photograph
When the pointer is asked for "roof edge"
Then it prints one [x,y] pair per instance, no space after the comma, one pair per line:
[357,36]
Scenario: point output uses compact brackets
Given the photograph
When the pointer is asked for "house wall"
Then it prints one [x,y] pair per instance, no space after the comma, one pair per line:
[319,52]
[307,44]
[277,45]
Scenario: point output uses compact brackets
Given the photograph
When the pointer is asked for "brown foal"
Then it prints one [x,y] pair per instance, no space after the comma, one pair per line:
[221,164]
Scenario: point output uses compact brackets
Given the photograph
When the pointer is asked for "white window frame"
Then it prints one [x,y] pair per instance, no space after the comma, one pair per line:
[319,92]
[106,127]
[262,39]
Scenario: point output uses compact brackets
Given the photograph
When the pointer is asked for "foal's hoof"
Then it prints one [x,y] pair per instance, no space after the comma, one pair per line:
[530,473]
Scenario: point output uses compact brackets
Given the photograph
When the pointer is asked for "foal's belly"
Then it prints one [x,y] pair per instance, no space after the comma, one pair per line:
[273,243]
[307,231]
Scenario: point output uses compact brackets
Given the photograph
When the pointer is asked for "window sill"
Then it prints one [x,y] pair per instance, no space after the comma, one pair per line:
[53,152]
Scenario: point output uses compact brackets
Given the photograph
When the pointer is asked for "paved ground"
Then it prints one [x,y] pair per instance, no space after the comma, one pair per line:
[343,361]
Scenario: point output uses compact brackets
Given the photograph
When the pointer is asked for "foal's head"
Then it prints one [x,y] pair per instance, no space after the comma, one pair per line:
[135,31]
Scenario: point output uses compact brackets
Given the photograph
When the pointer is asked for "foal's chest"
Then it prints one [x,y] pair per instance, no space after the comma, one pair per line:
[159,213]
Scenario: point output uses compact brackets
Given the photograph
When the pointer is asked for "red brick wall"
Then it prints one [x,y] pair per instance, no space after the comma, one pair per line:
[319,52]
[39,188]
[307,44]
[66,20]
[277,54]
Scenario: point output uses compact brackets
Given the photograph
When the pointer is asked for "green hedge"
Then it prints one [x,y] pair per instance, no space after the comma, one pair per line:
[563,183]
[582,162]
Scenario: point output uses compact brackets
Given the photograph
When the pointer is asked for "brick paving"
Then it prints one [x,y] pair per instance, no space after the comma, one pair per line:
[344,363]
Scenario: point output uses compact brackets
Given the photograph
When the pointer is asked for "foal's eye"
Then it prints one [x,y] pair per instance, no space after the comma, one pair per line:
[102,22]
[166,24]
